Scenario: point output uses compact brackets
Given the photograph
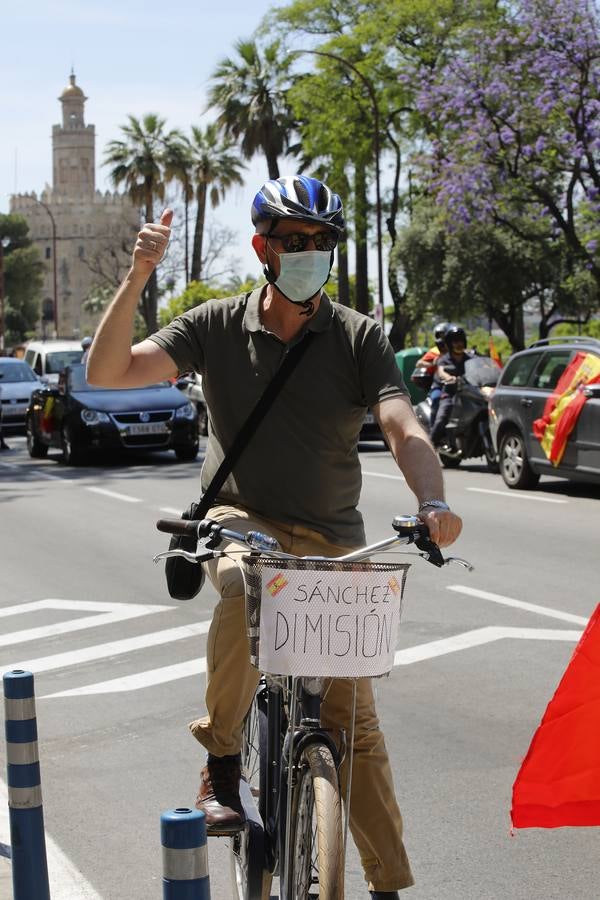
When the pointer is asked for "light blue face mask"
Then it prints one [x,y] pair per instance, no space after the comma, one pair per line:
[302,275]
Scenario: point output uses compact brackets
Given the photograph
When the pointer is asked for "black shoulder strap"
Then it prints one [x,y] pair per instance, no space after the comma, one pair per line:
[250,425]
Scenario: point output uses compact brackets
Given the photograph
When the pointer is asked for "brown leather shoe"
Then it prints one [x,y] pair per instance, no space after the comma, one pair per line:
[219,797]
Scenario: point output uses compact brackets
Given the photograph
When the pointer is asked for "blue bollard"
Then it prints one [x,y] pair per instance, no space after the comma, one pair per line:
[185,855]
[28,844]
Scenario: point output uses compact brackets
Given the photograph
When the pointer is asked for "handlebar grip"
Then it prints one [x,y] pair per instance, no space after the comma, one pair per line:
[182,527]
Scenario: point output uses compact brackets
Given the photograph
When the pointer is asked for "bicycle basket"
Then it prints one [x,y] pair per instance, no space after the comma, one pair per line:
[323,617]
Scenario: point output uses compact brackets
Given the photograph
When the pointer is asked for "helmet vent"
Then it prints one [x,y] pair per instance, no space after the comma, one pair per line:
[302,194]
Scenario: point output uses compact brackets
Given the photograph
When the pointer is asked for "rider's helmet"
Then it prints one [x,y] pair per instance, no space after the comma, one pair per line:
[454,333]
[86,343]
[296,197]
[439,332]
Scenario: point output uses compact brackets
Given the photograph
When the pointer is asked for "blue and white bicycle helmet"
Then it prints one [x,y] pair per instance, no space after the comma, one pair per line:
[297,197]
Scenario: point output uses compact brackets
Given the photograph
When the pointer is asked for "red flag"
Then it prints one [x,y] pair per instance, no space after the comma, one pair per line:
[494,355]
[564,405]
[559,781]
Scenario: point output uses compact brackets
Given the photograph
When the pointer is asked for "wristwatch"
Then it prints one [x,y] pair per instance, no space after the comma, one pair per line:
[434,504]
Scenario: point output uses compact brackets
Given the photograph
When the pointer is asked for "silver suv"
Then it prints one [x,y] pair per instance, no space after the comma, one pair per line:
[526,382]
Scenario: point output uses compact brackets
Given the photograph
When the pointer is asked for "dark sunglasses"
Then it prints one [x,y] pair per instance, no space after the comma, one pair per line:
[296,242]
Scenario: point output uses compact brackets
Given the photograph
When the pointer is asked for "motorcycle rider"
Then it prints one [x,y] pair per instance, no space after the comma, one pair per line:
[428,364]
[453,359]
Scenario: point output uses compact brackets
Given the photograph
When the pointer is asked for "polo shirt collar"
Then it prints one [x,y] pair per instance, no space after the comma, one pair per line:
[320,322]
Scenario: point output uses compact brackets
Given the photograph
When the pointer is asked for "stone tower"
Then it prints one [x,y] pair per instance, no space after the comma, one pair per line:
[85,237]
[73,147]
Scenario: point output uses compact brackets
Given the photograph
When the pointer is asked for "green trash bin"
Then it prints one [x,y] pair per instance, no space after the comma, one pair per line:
[406,361]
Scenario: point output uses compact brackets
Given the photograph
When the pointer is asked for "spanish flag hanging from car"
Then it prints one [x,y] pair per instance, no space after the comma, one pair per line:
[564,405]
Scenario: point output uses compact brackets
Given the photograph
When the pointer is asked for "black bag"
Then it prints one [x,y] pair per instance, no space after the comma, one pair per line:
[184,579]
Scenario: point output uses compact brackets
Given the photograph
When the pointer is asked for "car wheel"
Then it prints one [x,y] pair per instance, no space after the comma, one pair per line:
[202,419]
[35,448]
[187,454]
[514,465]
[72,454]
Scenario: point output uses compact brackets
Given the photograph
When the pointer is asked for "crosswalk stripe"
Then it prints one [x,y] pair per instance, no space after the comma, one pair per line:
[127,611]
[112,648]
[114,495]
[137,681]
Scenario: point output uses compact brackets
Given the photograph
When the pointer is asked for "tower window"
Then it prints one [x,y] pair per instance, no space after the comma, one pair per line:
[81,252]
[48,252]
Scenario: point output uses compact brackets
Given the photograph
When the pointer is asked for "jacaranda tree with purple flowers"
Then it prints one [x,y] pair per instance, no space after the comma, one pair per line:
[513,127]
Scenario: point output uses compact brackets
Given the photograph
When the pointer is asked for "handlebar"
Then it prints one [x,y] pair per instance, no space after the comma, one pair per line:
[408,530]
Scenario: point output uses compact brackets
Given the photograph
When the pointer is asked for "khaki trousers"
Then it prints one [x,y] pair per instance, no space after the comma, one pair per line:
[375,820]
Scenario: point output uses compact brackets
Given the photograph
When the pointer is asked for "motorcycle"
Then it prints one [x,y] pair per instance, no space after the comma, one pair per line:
[467,433]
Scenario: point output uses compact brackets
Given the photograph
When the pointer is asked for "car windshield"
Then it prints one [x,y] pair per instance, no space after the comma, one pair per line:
[18,371]
[58,361]
[481,371]
[78,383]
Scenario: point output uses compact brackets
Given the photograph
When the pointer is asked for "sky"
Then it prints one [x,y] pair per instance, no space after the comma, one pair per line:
[129,58]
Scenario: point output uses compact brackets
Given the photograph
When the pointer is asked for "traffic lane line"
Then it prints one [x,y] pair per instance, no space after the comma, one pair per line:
[127,498]
[138,680]
[383,475]
[517,495]
[517,604]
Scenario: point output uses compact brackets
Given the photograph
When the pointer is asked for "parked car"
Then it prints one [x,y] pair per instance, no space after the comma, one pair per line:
[526,382]
[49,358]
[79,418]
[17,383]
[191,385]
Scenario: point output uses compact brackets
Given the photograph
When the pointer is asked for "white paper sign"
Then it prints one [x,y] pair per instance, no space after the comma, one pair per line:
[340,623]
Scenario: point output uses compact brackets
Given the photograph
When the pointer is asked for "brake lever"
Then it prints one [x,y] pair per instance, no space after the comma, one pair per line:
[201,556]
[460,562]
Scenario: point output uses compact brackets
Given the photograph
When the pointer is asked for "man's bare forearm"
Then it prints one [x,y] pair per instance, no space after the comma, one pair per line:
[420,466]
[110,353]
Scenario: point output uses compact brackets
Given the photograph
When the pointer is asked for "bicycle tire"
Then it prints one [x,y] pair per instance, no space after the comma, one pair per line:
[250,880]
[316,839]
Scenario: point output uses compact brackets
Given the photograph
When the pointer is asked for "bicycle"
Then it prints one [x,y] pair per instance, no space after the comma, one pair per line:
[290,788]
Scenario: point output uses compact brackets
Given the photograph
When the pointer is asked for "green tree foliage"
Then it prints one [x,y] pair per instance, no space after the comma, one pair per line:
[198,292]
[249,94]
[23,270]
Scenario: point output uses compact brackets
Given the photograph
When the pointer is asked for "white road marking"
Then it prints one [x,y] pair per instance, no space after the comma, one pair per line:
[518,604]
[66,881]
[170,511]
[517,494]
[112,648]
[8,465]
[402,658]
[115,612]
[477,637]
[137,681]
[383,475]
[50,477]
[114,495]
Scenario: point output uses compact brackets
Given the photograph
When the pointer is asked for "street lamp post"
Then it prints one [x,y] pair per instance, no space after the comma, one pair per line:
[2,327]
[376,150]
[55,297]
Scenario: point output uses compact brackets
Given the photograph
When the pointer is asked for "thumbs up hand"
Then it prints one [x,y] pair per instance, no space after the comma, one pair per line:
[152,243]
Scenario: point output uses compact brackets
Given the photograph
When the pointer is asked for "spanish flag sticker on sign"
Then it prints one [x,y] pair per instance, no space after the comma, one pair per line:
[276,584]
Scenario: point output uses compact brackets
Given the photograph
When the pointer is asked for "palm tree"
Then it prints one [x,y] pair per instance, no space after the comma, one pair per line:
[138,164]
[250,94]
[178,167]
[215,167]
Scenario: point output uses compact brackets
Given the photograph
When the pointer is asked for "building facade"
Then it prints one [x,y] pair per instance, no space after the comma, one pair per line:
[85,237]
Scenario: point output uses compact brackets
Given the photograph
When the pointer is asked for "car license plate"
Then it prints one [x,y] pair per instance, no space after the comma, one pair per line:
[16,409]
[153,428]
[369,419]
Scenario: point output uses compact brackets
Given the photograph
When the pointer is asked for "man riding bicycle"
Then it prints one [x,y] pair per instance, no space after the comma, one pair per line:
[298,479]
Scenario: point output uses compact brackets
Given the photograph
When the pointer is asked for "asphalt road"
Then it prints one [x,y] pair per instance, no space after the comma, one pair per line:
[80,599]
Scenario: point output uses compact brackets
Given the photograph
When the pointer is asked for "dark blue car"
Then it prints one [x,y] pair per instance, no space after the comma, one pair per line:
[78,419]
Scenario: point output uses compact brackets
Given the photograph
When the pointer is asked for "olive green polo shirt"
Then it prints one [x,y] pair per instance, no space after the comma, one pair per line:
[301,465]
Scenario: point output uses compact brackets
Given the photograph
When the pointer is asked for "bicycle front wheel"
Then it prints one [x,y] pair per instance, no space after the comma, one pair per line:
[316,865]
